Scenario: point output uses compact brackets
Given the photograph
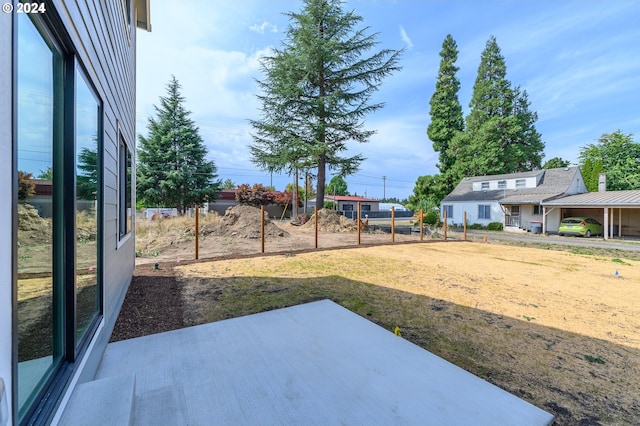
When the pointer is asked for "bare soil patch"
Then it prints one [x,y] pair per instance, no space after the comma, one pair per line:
[238,233]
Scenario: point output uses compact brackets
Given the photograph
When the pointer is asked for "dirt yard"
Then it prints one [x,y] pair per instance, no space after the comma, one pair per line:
[558,329]
[238,233]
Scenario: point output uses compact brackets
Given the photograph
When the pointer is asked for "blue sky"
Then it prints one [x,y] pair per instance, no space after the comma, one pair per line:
[579,61]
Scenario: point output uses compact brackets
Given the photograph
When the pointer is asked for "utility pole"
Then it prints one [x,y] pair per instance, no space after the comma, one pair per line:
[384,188]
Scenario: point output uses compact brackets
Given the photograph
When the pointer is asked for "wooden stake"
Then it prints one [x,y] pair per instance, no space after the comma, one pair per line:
[393,224]
[465,226]
[358,222]
[197,228]
[315,214]
[262,227]
[445,225]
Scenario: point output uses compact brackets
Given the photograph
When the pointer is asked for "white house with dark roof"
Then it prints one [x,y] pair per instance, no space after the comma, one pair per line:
[515,200]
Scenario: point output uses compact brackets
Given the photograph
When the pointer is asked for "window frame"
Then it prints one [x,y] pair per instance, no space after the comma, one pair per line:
[484,211]
[521,183]
[484,186]
[449,209]
[502,184]
[539,209]
[125,168]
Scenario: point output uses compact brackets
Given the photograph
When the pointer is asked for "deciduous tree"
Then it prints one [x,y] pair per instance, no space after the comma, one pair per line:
[619,157]
[337,186]
[556,163]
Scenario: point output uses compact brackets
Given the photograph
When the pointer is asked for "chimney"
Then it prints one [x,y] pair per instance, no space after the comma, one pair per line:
[602,182]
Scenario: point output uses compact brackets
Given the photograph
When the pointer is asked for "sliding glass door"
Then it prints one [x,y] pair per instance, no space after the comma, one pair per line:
[59,162]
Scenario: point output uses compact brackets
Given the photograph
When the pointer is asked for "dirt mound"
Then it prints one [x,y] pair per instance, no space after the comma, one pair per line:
[331,221]
[31,227]
[243,221]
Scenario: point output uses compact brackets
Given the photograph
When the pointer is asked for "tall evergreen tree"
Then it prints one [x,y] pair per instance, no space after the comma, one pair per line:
[317,91]
[172,168]
[445,111]
[500,135]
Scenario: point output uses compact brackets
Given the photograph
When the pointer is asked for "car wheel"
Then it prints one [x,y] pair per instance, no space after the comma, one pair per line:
[588,234]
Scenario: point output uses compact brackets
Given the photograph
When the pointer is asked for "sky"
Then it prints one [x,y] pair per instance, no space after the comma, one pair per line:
[579,62]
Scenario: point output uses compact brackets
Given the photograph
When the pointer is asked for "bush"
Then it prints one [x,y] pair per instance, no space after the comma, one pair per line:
[432,217]
[494,226]
[475,226]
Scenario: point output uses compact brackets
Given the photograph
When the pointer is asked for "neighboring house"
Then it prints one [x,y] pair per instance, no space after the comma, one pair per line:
[67,102]
[348,204]
[515,200]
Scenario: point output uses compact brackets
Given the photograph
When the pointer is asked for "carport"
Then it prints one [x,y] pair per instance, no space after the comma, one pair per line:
[619,211]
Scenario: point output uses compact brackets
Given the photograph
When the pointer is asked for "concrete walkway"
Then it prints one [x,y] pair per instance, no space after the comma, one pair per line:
[316,363]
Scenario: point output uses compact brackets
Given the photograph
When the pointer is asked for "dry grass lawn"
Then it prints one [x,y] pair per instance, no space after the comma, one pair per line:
[558,329]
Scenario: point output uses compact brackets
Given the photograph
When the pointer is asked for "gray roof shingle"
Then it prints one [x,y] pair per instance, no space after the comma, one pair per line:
[551,183]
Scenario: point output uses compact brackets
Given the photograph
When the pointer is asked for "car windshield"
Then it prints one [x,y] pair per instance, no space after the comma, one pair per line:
[572,220]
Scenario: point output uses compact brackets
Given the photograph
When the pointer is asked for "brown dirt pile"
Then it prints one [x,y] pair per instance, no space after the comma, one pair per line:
[331,221]
[243,221]
[31,227]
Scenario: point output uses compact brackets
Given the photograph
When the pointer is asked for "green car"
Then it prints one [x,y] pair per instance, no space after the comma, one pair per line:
[584,226]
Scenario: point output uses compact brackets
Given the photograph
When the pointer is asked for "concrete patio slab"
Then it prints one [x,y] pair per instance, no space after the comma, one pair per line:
[316,363]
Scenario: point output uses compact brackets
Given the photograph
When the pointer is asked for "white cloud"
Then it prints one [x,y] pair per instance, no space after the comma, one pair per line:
[260,29]
[405,38]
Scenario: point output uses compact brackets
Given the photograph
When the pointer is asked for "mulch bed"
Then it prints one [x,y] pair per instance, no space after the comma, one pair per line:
[153,304]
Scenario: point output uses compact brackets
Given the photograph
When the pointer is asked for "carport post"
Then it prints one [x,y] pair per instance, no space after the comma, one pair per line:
[606,223]
[421,223]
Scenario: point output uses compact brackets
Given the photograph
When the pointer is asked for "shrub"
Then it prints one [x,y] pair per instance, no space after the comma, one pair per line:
[494,226]
[432,217]
[475,226]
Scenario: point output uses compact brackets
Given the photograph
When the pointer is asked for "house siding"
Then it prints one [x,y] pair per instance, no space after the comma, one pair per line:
[497,215]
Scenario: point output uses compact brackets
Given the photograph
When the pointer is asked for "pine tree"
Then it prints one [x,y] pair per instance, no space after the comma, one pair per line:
[445,111]
[317,91]
[500,135]
[172,169]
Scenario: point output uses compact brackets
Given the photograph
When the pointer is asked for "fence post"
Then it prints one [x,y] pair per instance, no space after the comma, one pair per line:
[197,228]
[421,224]
[262,227]
[445,225]
[315,213]
[465,226]
[393,224]
[358,222]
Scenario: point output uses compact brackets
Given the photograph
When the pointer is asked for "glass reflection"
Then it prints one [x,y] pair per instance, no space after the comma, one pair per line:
[86,133]
[36,174]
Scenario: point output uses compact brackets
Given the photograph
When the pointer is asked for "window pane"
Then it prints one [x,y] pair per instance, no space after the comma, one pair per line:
[87,129]
[37,70]
[125,162]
